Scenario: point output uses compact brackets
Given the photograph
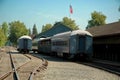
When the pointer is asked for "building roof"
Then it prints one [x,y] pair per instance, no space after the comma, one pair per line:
[57,28]
[105,30]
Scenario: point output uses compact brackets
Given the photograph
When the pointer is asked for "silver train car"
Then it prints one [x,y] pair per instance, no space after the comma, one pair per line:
[73,44]
[44,45]
[24,44]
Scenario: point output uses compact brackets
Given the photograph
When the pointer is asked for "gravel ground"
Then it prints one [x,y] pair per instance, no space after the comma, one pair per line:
[59,69]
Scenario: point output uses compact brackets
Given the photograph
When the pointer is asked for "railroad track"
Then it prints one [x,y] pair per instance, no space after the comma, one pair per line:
[15,74]
[12,72]
[27,70]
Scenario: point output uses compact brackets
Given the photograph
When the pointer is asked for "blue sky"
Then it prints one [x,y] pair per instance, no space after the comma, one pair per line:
[41,12]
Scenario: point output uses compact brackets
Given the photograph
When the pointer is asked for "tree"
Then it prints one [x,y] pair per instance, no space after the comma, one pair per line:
[119,11]
[3,33]
[46,27]
[30,32]
[66,21]
[3,38]
[5,28]
[70,23]
[17,29]
[34,31]
[97,19]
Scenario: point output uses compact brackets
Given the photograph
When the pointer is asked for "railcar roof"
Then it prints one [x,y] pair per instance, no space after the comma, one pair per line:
[25,37]
[75,32]
[35,40]
[41,38]
[81,32]
[47,38]
[64,33]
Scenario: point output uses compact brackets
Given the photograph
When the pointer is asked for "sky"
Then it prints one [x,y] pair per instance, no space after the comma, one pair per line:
[42,12]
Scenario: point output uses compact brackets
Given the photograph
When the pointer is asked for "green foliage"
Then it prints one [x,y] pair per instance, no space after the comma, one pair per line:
[5,28]
[66,21]
[17,29]
[3,38]
[70,23]
[34,32]
[97,19]
[3,33]
[29,32]
[46,27]
[119,11]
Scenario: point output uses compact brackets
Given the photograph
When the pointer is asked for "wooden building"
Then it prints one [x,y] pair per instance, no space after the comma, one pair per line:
[106,41]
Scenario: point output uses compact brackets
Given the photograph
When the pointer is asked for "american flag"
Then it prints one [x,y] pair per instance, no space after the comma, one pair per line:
[71,9]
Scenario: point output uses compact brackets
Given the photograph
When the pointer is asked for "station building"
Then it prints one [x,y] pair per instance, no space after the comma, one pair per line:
[106,41]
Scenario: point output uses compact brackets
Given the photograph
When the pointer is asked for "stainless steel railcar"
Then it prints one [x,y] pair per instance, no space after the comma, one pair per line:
[44,45]
[72,44]
[24,44]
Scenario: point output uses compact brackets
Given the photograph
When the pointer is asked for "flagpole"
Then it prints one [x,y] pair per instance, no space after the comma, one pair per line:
[69,15]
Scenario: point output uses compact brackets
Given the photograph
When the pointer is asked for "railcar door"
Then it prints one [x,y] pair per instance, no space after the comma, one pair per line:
[81,44]
[72,45]
[25,44]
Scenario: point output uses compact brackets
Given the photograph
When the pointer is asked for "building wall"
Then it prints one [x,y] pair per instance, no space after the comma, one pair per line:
[56,30]
[115,39]
[107,48]
[106,41]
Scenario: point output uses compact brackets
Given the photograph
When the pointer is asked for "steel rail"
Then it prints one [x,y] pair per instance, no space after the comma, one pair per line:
[37,69]
[16,77]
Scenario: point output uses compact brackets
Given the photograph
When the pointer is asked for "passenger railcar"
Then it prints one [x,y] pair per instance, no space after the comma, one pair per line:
[35,45]
[44,45]
[24,44]
[73,44]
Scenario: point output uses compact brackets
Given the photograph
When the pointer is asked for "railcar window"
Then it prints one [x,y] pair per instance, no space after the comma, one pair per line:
[45,43]
[60,43]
